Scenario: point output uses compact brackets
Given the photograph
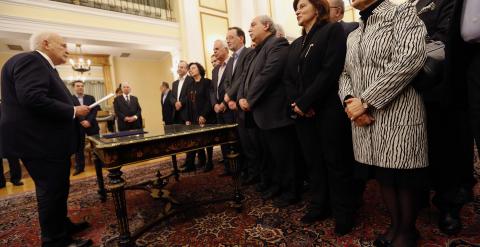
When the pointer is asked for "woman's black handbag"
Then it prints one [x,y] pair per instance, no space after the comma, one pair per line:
[432,72]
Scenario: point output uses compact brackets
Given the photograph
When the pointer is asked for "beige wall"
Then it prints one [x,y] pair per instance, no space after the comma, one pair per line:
[145,77]
[4,56]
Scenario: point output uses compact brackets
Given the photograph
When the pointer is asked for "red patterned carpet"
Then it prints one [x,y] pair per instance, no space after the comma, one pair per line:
[259,224]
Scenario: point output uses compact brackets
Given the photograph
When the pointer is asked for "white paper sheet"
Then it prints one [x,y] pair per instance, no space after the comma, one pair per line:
[101,100]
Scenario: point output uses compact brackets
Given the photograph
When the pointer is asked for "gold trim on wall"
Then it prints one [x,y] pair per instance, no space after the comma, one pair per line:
[203,4]
[206,54]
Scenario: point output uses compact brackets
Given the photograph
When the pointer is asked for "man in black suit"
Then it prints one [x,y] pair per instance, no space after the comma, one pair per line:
[337,10]
[38,126]
[128,110]
[15,170]
[249,137]
[88,124]
[179,90]
[217,94]
[262,97]
[168,104]
[449,139]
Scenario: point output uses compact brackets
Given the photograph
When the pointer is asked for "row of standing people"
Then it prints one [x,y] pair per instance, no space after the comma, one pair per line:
[335,112]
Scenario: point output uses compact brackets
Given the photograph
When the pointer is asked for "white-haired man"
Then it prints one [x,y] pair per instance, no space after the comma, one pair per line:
[337,10]
[38,126]
[127,109]
[217,94]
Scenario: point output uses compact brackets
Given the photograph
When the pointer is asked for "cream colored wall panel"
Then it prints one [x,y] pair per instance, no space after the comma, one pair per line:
[213,27]
[145,78]
[217,5]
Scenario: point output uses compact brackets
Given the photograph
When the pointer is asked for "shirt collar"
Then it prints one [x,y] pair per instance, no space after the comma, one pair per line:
[47,58]
[239,51]
[125,95]
[182,78]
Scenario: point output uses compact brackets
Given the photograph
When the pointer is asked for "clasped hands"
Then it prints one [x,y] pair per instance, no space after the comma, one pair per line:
[130,119]
[298,111]
[357,112]
[231,104]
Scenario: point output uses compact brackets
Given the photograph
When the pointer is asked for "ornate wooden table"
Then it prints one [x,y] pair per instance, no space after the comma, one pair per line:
[163,141]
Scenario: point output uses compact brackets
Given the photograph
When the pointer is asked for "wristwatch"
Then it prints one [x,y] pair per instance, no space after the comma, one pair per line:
[364,104]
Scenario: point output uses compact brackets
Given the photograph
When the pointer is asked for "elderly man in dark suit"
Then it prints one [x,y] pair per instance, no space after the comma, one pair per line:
[128,110]
[38,125]
[262,98]
[88,124]
[449,141]
[337,10]
[179,90]
[217,94]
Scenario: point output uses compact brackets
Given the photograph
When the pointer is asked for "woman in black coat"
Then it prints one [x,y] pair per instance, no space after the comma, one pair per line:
[315,62]
[199,112]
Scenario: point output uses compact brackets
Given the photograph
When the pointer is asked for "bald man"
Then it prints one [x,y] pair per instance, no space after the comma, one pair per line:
[38,125]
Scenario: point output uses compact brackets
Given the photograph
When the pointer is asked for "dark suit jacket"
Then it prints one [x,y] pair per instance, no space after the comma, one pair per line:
[313,70]
[221,87]
[168,107]
[348,27]
[232,80]
[37,110]
[437,22]
[123,109]
[91,117]
[262,84]
[181,116]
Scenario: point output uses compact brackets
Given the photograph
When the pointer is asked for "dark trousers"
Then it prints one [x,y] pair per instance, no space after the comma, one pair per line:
[52,183]
[80,154]
[328,153]
[251,150]
[15,171]
[450,153]
[280,168]
[473,79]
[226,117]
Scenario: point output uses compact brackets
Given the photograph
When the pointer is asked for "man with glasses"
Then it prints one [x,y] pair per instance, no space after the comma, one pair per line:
[337,9]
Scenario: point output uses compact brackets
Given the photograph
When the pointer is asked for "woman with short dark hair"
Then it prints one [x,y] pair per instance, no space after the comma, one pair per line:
[199,112]
[315,61]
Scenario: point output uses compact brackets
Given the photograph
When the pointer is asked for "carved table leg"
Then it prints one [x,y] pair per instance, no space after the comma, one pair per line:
[234,167]
[101,185]
[175,167]
[117,187]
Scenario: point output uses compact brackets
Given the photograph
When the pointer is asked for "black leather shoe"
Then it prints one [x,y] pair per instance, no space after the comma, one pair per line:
[225,174]
[343,226]
[449,223]
[188,169]
[261,187]
[81,243]
[313,216]
[208,167]
[75,228]
[76,172]
[270,193]
[250,180]
[17,183]
[283,202]
[381,241]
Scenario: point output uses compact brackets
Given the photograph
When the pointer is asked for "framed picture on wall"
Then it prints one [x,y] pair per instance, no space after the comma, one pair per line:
[218,5]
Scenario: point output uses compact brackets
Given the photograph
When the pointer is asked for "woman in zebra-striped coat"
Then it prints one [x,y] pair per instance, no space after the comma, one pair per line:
[388,116]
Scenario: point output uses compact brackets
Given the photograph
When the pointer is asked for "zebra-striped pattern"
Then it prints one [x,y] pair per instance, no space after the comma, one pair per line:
[381,61]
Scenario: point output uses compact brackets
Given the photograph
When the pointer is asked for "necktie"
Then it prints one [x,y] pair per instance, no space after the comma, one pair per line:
[128,99]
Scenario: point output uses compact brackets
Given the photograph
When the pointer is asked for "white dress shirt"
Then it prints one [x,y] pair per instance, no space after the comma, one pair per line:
[181,80]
